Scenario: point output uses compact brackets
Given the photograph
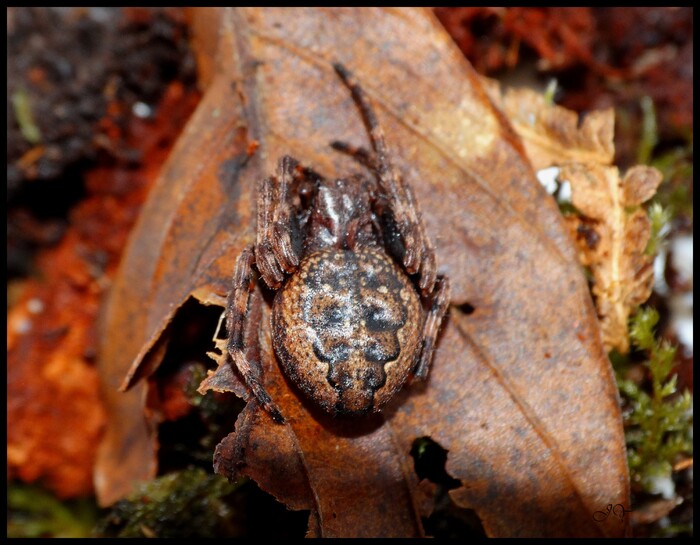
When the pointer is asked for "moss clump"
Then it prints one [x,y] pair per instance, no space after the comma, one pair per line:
[658,424]
[187,503]
[35,512]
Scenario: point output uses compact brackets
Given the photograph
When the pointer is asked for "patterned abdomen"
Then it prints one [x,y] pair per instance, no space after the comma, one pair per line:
[346,329]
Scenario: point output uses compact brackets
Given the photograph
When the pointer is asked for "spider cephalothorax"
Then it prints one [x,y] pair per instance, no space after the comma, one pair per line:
[358,303]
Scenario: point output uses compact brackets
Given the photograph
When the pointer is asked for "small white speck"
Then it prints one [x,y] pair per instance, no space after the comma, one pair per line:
[663,485]
[35,306]
[382,289]
[23,326]
[564,194]
[142,110]
[660,285]
[682,319]
[682,251]
[684,330]
[548,178]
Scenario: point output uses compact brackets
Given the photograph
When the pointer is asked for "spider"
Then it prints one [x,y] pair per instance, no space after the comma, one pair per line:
[358,301]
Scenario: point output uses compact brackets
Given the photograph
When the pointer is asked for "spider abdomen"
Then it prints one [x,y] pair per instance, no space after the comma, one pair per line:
[347,329]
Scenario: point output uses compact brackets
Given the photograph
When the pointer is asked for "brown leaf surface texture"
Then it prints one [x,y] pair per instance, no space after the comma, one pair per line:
[520,393]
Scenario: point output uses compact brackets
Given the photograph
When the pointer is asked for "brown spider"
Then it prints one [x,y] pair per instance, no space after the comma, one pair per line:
[349,326]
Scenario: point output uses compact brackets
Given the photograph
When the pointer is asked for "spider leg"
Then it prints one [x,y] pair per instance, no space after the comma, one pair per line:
[236,313]
[439,300]
[274,250]
[428,264]
[285,229]
[361,155]
[266,261]
[414,250]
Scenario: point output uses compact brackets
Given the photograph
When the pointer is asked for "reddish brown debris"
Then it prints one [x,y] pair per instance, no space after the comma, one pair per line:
[491,37]
[600,56]
[54,405]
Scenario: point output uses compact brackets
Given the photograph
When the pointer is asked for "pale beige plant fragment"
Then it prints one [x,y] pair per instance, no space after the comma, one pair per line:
[611,228]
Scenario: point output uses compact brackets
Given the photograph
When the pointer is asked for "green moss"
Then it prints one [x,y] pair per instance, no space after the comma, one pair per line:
[660,218]
[650,135]
[35,512]
[187,503]
[676,165]
[23,113]
[658,425]
[550,91]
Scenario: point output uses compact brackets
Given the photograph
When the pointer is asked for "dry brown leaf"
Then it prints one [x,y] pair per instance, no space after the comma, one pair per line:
[612,236]
[553,135]
[183,244]
[521,393]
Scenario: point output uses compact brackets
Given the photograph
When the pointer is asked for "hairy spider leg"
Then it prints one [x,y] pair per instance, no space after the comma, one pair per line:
[428,265]
[417,252]
[278,229]
[360,154]
[283,225]
[266,260]
[439,300]
[236,316]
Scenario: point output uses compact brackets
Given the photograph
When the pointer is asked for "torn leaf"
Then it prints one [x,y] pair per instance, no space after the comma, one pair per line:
[612,233]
